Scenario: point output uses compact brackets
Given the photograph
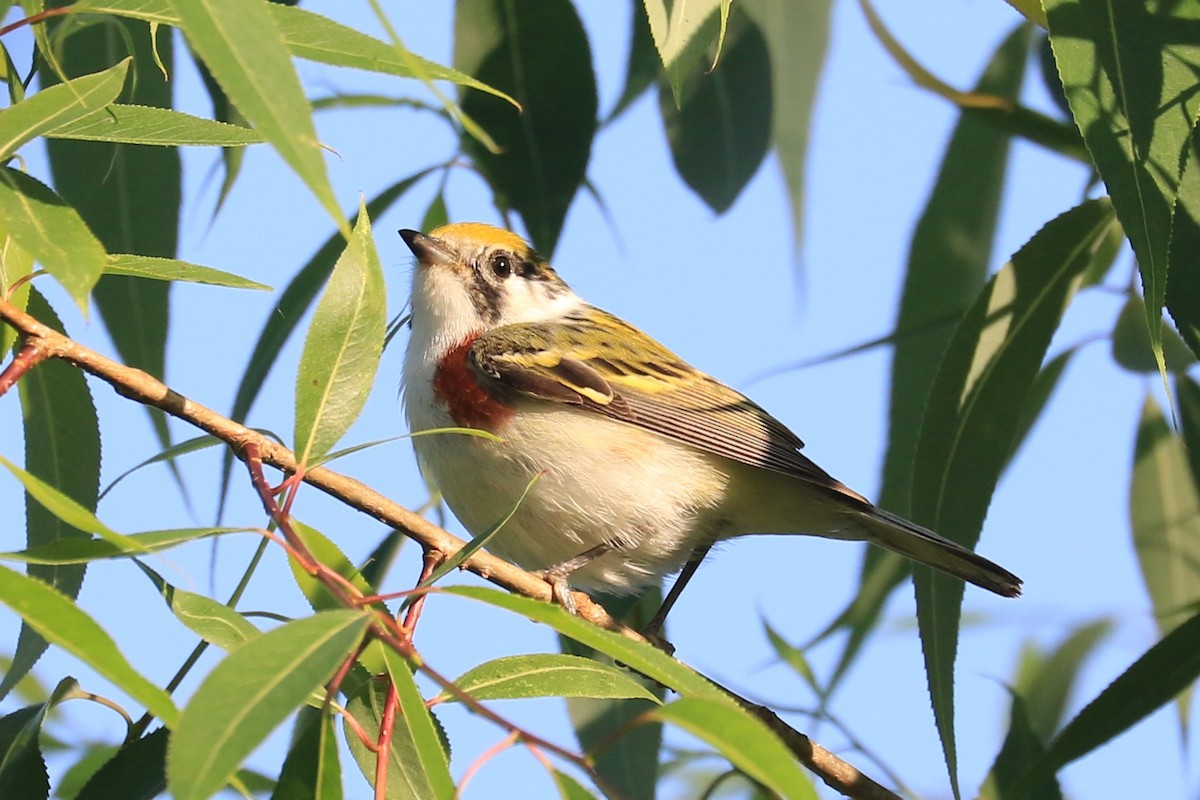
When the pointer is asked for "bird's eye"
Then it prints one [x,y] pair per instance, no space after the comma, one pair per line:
[501,265]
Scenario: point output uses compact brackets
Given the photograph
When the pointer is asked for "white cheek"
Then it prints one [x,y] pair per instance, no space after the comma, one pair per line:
[443,314]
[530,301]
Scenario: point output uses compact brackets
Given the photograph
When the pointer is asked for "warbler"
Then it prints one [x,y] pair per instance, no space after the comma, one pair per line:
[642,462]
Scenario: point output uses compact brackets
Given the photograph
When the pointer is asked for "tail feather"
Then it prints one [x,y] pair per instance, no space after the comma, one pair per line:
[923,545]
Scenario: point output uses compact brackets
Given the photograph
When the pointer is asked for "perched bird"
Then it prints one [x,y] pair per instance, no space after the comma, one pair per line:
[644,461]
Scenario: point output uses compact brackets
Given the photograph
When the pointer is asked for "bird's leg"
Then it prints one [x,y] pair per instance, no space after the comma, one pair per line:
[654,628]
[557,575]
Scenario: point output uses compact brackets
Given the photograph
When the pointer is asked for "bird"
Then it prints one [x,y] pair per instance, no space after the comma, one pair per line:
[611,463]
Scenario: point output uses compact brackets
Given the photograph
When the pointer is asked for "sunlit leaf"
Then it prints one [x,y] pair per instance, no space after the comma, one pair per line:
[250,693]
[547,675]
[342,348]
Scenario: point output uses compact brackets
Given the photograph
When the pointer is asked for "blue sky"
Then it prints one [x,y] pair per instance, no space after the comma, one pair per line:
[725,293]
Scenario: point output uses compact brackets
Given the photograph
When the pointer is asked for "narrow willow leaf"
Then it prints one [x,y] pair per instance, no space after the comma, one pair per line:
[948,261]
[417,725]
[1164,511]
[1183,274]
[744,740]
[213,622]
[169,269]
[797,37]
[137,770]
[547,675]
[719,122]
[15,265]
[22,767]
[312,769]
[1133,350]
[231,34]
[250,693]
[291,307]
[326,552]
[342,348]
[645,658]
[310,36]
[1045,680]
[971,421]
[1161,673]
[406,770]
[58,105]
[80,551]
[63,623]
[624,750]
[129,197]
[539,54]
[1188,392]
[675,29]
[643,64]
[1131,85]
[52,232]
[66,509]
[165,127]
[792,656]
[1021,751]
[569,788]
[62,447]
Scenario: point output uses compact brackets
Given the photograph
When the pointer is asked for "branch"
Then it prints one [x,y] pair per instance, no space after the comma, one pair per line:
[148,390]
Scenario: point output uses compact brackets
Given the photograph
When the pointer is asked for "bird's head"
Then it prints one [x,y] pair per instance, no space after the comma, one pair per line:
[471,277]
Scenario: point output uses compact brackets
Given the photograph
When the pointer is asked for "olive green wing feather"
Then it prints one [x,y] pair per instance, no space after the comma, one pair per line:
[597,362]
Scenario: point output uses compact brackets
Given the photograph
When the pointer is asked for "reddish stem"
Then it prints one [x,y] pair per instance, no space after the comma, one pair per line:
[383,755]
[29,357]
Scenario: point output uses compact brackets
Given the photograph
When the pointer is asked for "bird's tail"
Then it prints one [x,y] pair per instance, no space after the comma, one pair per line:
[923,545]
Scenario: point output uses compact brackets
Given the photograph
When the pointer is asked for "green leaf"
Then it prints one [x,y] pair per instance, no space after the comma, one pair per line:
[569,788]
[61,622]
[310,36]
[1183,273]
[640,656]
[539,54]
[797,36]
[430,769]
[243,47]
[1161,673]
[213,622]
[1164,511]
[52,232]
[681,30]
[58,105]
[293,303]
[1022,749]
[169,269]
[66,509]
[165,127]
[547,675]
[624,750]
[22,767]
[250,693]
[971,421]
[312,769]
[1045,680]
[744,740]
[406,770]
[342,348]
[1188,392]
[721,128]
[948,261]
[138,771]
[1131,85]
[1133,350]
[643,64]
[62,447]
[129,197]
[80,550]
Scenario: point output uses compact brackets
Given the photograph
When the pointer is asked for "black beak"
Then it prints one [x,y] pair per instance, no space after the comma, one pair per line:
[429,250]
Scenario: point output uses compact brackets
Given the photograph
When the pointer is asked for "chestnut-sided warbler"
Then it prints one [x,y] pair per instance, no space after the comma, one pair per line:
[644,461]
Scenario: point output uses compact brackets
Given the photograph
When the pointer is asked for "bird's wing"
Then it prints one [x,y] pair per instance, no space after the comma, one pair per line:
[597,362]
